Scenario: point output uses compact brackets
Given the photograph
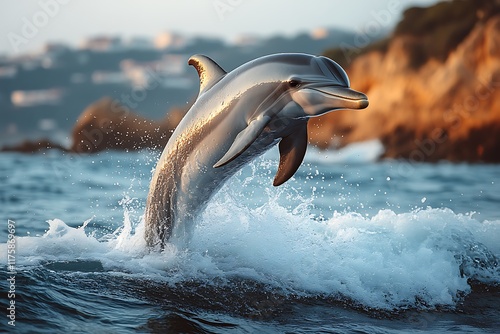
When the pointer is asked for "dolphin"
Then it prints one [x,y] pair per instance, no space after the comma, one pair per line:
[236,117]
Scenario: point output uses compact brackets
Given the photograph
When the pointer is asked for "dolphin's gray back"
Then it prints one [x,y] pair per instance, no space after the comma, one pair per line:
[184,179]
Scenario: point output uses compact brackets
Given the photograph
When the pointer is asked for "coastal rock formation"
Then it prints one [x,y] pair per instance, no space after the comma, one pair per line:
[434,87]
[35,146]
[107,124]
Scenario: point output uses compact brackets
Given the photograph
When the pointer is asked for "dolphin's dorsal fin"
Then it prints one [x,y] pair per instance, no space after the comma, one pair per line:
[208,70]
[244,139]
[292,151]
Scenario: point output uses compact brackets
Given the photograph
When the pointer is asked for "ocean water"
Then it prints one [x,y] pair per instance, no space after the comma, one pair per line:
[349,245]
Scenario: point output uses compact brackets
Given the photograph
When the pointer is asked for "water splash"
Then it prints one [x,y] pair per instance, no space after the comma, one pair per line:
[423,258]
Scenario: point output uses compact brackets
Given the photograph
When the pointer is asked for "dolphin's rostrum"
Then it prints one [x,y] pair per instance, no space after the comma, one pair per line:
[237,117]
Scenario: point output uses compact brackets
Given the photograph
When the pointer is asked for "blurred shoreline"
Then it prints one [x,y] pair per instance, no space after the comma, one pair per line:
[432,83]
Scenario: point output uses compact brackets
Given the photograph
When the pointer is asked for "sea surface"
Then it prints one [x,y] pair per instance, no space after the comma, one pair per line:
[349,245]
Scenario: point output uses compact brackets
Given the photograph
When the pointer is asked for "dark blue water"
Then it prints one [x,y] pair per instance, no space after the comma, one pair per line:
[348,245]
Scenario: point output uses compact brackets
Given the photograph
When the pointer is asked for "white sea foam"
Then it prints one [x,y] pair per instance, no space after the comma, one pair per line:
[355,153]
[362,152]
[386,261]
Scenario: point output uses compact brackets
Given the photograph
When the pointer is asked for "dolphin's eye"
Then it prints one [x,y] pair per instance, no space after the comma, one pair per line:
[294,83]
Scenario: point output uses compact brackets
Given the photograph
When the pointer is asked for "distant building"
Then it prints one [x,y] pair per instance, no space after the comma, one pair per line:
[102,44]
[169,40]
[246,40]
[172,64]
[168,70]
[27,98]
[320,33]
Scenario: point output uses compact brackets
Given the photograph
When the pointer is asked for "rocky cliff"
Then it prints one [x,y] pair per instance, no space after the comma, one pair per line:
[434,87]
[107,124]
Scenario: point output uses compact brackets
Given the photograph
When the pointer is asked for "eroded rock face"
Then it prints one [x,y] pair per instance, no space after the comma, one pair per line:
[106,124]
[441,109]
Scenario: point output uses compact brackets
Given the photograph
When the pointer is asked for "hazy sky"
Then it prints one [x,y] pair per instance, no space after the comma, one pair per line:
[26,25]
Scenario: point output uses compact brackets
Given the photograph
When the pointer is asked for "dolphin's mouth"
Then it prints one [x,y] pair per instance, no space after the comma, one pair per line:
[354,99]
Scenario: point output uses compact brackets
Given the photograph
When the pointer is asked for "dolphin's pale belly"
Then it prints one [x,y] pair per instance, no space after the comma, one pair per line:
[187,181]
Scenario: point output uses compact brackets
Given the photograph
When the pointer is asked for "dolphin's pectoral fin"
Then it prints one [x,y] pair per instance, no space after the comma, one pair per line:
[243,140]
[292,151]
[208,70]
